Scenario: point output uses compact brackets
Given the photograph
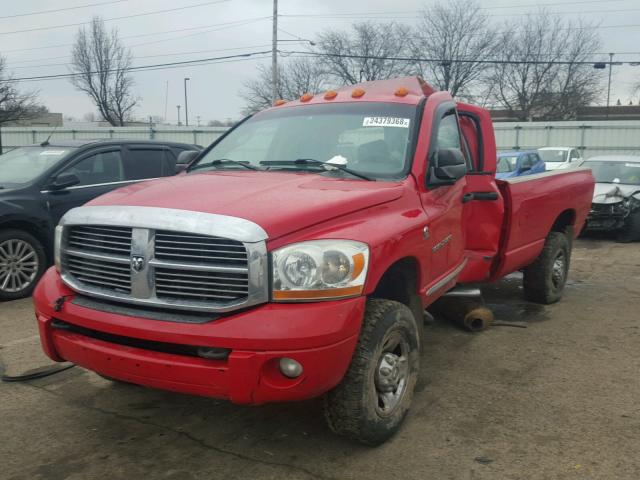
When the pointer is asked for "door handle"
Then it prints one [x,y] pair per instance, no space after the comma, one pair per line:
[486,196]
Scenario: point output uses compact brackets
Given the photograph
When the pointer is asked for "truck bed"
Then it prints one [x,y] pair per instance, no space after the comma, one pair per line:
[533,204]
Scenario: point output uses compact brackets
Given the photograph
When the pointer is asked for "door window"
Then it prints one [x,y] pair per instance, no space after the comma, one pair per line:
[101,167]
[449,137]
[150,163]
[574,155]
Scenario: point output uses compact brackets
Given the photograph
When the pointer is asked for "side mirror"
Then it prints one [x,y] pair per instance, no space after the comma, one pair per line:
[185,158]
[63,181]
[448,166]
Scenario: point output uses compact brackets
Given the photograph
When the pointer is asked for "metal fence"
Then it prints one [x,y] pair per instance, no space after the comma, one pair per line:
[593,138]
[13,137]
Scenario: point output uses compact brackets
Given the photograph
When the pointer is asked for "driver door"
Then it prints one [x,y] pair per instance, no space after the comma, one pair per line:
[99,172]
[443,203]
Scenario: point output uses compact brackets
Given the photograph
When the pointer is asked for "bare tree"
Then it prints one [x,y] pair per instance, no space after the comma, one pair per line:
[16,105]
[543,76]
[101,63]
[456,33]
[296,76]
[364,54]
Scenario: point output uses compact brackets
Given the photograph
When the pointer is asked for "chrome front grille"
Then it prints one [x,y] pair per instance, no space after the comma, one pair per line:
[137,255]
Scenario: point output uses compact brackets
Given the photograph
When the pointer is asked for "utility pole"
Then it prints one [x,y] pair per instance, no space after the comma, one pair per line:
[166,100]
[274,54]
[186,108]
[609,87]
[178,106]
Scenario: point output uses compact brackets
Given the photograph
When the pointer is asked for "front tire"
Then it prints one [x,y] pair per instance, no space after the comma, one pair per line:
[631,230]
[22,263]
[544,279]
[374,397]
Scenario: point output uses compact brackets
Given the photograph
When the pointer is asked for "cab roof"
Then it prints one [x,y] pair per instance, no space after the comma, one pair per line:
[407,90]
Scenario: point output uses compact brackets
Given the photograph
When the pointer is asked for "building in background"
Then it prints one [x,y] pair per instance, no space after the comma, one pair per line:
[47,119]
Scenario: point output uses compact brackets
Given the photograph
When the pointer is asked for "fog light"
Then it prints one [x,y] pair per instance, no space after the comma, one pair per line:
[290,368]
[213,353]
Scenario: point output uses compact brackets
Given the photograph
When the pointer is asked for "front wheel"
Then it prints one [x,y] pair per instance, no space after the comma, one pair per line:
[544,279]
[372,400]
[22,262]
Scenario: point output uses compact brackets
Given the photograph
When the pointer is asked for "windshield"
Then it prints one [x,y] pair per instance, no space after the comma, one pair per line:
[371,138]
[25,164]
[615,172]
[507,163]
[551,156]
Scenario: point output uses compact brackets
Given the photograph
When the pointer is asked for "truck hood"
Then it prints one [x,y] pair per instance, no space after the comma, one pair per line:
[280,202]
[606,193]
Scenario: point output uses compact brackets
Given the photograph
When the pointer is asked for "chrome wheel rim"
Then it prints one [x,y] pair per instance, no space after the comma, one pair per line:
[18,265]
[558,270]
[392,374]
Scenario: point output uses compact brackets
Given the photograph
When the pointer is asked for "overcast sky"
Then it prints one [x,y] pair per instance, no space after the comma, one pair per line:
[195,33]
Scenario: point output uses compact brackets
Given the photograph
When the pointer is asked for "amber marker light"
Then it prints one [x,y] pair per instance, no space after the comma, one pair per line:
[357,93]
[401,92]
[277,103]
[306,97]
[284,295]
[330,95]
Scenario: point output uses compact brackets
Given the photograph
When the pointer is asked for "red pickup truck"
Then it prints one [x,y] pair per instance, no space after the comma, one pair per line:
[295,256]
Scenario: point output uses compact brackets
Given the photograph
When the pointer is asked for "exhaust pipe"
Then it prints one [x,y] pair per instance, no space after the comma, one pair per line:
[469,313]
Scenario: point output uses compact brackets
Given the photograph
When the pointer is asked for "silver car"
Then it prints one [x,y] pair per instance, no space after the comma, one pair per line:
[616,199]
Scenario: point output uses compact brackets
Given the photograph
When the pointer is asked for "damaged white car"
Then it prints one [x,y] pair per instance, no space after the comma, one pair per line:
[616,199]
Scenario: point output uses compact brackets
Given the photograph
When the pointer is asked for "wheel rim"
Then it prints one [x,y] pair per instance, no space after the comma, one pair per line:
[18,265]
[392,373]
[559,270]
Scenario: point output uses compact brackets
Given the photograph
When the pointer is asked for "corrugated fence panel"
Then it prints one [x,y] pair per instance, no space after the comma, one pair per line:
[13,137]
[593,138]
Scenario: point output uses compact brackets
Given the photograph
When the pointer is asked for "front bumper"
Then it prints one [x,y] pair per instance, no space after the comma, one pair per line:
[609,216]
[320,336]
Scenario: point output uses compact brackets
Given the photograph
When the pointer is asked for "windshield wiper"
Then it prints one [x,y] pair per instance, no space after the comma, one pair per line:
[312,161]
[225,161]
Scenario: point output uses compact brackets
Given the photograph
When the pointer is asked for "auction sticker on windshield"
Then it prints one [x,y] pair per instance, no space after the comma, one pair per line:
[53,152]
[386,122]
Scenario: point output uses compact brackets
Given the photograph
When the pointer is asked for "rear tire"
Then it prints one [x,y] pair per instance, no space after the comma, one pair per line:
[374,397]
[544,279]
[631,230]
[22,263]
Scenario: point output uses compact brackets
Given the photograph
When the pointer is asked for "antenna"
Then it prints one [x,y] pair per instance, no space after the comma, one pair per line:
[46,142]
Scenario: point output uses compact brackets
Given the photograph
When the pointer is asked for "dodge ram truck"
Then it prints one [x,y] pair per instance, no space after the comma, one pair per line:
[295,256]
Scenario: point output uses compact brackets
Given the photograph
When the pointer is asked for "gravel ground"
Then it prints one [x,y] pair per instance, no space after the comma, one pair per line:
[553,392]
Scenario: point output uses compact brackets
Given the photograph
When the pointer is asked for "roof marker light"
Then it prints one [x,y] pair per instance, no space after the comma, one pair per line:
[357,93]
[306,97]
[401,92]
[330,95]
[277,103]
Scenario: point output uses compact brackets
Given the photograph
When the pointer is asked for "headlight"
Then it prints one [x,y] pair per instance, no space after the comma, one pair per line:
[57,244]
[319,269]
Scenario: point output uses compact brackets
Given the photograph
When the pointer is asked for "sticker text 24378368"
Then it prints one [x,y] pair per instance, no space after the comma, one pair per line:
[385,122]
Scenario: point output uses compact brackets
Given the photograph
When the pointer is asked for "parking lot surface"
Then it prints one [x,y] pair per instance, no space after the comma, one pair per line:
[549,392]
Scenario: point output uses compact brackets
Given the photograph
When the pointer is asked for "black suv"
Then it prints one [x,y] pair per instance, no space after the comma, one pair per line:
[40,183]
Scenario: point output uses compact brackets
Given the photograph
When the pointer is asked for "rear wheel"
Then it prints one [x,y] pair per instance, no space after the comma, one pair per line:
[544,279]
[372,400]
[22,262]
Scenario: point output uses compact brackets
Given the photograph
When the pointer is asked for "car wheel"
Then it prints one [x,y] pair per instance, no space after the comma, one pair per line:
[373,398]
[544,279]
[631,230]
[22,262]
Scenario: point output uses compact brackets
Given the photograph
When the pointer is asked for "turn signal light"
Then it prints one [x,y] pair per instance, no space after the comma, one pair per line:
[401,92]
[306,97]
[330,95]
[277,103]
[357,93]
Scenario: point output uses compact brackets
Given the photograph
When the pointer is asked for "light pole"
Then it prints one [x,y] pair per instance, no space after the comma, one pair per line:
[274,53]
[178,106]
[186,108]
[609,87]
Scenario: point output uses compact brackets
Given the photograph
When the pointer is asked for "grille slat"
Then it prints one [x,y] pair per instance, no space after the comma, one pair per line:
[91,238]
[210,250]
